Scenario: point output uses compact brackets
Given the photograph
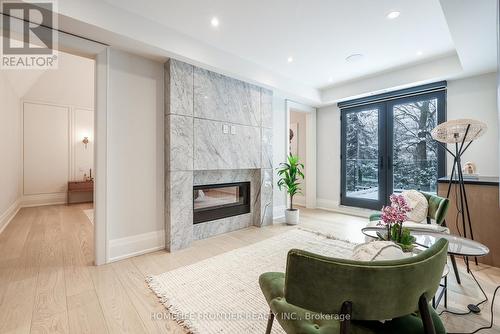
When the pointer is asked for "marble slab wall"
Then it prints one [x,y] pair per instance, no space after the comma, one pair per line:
[214,149]
[200,104]
[225,99]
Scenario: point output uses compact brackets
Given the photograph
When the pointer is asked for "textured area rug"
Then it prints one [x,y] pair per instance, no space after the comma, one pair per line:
[222,294]
[90,214]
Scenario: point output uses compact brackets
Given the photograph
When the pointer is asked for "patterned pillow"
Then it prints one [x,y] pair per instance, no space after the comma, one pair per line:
[419,205]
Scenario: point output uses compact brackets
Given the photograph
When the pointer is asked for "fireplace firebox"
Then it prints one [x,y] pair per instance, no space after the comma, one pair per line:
[216,201]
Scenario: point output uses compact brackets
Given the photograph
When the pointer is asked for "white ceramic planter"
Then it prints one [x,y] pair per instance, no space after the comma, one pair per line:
[292,216]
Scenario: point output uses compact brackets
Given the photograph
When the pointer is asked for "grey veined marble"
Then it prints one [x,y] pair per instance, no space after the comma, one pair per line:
[267,148]
[180,142]
[221,98]
[266,197]
[204,177]
[214,149]
[179,210]
[224,225]
[266,103]
[198,105]
[178,88]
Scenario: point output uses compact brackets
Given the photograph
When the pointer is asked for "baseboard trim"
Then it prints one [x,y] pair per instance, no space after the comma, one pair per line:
[9,214]
[326,204]
[43,199]
[334,206]
[279,211]
[127,247]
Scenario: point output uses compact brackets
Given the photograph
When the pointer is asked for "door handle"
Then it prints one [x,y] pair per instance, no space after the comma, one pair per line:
[381,163]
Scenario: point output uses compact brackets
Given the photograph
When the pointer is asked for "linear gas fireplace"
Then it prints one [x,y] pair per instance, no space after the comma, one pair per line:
[216,201]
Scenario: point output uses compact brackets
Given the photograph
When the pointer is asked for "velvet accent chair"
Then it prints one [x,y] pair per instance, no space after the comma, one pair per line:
[438,207]
[317,291]
[436,214]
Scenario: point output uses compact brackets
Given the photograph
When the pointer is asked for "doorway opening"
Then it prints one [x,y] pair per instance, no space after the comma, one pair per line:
[301,142]
[55,121]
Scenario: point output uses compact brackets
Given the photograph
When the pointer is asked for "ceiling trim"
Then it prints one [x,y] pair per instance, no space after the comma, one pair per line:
[148,38]
[437,70]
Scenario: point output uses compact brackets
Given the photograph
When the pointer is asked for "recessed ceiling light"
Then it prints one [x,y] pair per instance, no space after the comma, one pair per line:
[290,59]
[393,15]
[419,53]
[330,79]
[354,57]
[214,22]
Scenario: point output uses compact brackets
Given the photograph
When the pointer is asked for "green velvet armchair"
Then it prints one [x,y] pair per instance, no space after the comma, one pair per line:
[438,206]
[320,295]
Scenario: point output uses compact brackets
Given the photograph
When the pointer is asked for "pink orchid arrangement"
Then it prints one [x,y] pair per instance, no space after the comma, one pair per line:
[396,212]
[393,217]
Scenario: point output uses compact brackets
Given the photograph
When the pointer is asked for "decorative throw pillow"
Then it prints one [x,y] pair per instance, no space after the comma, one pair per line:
[418,204]
[377,251]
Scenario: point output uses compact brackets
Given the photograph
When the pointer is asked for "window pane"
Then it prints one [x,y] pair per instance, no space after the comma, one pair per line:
[362,151]
[415,154]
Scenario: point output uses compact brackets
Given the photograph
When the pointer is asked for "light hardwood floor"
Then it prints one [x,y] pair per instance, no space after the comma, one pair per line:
[49,285]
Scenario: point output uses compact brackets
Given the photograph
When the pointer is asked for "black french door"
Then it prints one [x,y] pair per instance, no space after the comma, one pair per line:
[387,148]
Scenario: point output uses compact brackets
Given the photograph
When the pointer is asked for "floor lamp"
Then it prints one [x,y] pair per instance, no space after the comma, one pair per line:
[460,133]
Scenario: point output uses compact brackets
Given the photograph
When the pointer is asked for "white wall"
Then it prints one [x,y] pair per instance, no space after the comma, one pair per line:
[10,144]
[473,97]
[279,151]
[328,157]
[476,97]
[72,83]
[46,149]
[135,182]
[300,118]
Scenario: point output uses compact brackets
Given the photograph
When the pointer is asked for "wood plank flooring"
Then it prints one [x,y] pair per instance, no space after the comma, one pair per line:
[49,285]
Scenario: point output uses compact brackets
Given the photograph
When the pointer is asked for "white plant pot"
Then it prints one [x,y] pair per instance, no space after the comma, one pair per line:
[292,216]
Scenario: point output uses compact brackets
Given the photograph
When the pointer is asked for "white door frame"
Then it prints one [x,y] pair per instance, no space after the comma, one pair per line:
[99,52]
[310,170]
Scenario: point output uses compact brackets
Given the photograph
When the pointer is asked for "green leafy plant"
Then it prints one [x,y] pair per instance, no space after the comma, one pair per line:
[289,173]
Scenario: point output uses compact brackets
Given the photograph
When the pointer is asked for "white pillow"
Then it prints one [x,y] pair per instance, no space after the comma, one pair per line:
[419,205]
[377,251]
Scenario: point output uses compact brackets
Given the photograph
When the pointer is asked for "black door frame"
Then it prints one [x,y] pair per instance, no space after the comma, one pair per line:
[362,202]
[386,135]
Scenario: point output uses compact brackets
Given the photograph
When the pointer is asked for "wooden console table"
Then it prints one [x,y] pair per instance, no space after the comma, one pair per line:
[483,198]
[80,187]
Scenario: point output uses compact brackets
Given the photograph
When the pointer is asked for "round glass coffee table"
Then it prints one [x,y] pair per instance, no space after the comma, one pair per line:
[456,245]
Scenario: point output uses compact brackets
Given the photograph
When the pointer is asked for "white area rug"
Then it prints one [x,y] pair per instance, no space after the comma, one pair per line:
[90,214]
[222,294]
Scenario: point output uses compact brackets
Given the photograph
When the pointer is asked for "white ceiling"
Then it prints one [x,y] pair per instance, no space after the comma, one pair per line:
[319,34]
[457,39]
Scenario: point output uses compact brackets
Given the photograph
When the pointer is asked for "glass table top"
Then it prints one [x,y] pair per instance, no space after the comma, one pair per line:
[456,245]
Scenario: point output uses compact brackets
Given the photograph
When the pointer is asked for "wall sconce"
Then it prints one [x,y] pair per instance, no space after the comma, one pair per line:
[85,141]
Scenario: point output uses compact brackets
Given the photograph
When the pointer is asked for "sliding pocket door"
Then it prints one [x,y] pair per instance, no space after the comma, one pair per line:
[363,156]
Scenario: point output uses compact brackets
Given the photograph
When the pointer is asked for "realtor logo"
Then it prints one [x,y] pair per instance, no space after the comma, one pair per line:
[28,35]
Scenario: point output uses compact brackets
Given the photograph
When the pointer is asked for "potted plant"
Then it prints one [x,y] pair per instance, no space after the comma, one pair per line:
[393,217]
[289,173]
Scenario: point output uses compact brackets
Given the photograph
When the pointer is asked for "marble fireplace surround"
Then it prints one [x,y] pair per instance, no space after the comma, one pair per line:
[200,106]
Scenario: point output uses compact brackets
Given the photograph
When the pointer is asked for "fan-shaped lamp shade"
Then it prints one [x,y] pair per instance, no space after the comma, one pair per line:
[454,131]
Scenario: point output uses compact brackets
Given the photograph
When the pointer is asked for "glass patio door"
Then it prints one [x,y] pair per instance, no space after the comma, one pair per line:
[363,151]
[415,156]
[387,148]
